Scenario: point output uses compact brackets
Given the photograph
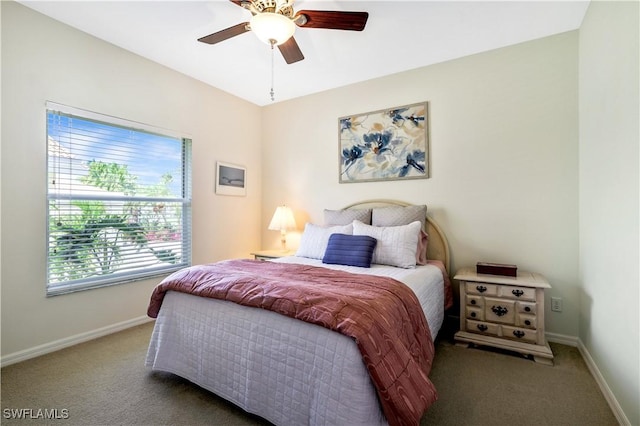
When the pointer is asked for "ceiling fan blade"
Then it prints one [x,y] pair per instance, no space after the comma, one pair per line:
[291,51]
[227,33]
[335,20]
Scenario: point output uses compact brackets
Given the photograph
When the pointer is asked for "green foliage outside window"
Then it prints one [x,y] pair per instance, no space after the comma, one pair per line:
[91,241]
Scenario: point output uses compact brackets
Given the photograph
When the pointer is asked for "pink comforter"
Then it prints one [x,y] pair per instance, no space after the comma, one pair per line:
[381,314]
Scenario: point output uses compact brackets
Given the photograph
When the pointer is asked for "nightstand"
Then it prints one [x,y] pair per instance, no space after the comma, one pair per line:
[504,312]
[271,254]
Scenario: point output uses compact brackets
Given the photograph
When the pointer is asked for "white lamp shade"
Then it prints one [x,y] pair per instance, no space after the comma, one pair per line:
[269,26]
[282,219]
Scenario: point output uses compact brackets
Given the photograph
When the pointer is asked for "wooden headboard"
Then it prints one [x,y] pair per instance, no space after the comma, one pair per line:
[438,248]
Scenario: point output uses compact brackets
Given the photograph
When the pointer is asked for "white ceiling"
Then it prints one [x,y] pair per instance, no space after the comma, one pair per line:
[400,35]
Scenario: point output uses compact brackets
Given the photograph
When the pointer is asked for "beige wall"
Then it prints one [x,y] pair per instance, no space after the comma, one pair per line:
[45,60]
[609,194]
[504,158]
[510,158]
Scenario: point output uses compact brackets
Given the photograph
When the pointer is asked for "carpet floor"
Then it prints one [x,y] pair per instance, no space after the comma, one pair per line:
[105,382]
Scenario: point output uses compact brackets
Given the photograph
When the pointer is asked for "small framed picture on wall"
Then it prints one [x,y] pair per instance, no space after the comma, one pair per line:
[230,179]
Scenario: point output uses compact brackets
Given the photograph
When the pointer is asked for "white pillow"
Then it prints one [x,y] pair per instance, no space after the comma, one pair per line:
[314,239]
[396,244]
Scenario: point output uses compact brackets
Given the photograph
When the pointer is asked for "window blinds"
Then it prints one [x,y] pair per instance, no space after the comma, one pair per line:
[119,200]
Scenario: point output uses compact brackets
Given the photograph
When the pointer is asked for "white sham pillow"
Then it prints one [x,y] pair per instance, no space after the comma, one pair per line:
[396,244]
[314,239]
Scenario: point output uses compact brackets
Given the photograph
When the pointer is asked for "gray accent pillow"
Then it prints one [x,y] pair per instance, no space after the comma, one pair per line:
[398,215]
[345,217]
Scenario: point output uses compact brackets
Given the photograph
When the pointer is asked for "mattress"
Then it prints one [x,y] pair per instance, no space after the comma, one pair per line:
[282,369]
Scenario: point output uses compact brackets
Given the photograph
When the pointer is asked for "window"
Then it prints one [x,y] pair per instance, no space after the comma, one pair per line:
[118,200]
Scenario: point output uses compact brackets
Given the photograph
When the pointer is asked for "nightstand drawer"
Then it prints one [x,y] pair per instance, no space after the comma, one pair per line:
[477,301]
[482,289]
[475,313]
[500,310]
[519,334]
[520,293]
[527,321]
[483,328]
[526,307]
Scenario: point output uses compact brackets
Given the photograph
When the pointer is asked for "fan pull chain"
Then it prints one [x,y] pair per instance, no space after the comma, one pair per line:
[272,93]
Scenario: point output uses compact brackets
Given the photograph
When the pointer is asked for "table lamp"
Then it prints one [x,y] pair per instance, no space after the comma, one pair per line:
[282,221]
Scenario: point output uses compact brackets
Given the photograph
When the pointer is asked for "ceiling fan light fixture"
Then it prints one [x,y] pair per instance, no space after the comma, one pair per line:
[272,28]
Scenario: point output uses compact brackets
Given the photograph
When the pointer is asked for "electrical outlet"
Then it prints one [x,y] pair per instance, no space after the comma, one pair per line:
[556,304]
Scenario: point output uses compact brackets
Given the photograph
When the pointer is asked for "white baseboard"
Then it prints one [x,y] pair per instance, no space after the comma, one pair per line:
[563,339]
[70,341]
[595,372]
[604,387]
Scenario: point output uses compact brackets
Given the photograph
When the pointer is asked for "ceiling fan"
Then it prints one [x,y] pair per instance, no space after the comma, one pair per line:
[274,22]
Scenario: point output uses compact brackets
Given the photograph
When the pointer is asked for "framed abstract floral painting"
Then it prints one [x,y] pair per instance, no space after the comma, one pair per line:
[389,144]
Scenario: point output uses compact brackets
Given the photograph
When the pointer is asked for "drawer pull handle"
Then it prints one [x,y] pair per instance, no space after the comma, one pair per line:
[519,334]
[473,314]
[473,301]
[527,322]
[481,288]
[499,310]
[517,293]
[482,327]
[527,309]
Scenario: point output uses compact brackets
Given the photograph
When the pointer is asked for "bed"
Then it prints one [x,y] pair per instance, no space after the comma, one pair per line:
[288,371]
